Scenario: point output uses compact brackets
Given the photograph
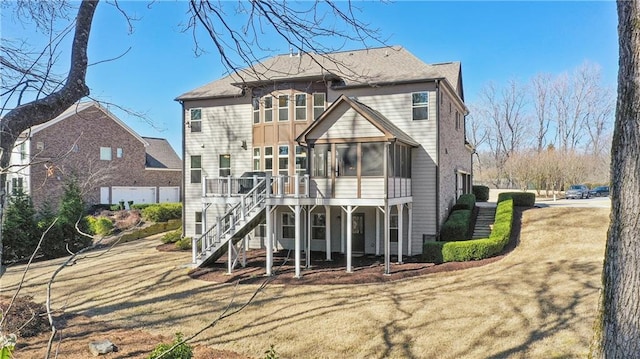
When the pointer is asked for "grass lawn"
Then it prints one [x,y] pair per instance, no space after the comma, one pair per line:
[537,302]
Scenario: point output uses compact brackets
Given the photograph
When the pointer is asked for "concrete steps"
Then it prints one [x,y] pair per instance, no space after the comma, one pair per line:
[486,216]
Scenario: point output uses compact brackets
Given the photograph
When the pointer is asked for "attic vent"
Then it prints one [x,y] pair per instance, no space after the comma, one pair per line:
[39,145]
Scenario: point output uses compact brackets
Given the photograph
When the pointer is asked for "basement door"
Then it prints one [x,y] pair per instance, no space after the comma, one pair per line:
[357,232]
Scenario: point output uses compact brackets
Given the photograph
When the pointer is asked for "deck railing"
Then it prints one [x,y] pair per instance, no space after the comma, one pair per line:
[281,186]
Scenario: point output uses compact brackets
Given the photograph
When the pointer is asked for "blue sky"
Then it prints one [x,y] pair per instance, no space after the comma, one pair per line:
[495,41]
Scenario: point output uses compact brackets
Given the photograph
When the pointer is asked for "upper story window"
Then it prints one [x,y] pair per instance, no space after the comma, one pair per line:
[196,120]
[225,165]
[372,155]
[458,121]
[399,161]
[283,160]
[268,109]
[119,152]
[105,153]
[301,160]
[256,109]
[196,169]
[268,158]
[23,151]
[301,107]
[283,108]
[420,105]
[256,158]
[319,100]
[347,158]
[321,160]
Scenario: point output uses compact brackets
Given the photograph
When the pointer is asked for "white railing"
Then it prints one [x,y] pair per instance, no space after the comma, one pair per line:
[222,231]
[281,186]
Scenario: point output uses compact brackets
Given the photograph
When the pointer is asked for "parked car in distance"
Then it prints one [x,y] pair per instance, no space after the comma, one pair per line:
[600,191]
[577,191]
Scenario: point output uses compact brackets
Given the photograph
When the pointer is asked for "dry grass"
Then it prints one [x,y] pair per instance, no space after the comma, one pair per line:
[538,302]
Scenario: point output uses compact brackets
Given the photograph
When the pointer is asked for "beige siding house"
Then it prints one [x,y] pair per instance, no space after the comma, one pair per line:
[356,152]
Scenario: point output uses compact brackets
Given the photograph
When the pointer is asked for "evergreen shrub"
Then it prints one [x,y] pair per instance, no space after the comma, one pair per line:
[481,193]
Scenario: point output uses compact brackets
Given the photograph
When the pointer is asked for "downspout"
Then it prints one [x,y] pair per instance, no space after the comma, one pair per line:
[437,158]
[184,168]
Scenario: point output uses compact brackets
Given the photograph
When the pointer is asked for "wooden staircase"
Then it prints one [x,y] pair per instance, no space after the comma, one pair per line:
[484,221]
[232,227]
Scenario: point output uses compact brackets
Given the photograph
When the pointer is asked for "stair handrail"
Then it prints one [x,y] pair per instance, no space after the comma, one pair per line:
[248,201]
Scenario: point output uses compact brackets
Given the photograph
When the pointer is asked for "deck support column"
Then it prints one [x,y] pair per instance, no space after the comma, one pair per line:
[410,230]
[400,208]
[327,231]
[349,237]
[377,231]
[308,227]
[387,244]
[297,240]
[269,244]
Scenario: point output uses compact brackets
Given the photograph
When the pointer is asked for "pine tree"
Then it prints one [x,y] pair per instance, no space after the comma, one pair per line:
[20,229]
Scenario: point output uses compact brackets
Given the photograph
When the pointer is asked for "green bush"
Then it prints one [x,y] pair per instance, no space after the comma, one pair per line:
[481,193]
[520,199]
[20,231]
[468,200]
[141,206]
[476,249]
[162,212]
[151,230]
[182,351]
[172,237]
[184,243]
[100,225]
[456,228]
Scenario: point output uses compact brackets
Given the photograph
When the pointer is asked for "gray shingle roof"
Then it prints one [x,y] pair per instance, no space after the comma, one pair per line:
[160,154]
[378,66]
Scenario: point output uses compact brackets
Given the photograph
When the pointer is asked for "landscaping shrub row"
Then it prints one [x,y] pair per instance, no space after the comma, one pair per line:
[458,226]
[520,199]
[155,228]
[475,249]
[162,212]
[481,193]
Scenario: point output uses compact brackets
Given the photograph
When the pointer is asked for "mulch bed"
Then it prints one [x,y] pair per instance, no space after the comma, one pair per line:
[366,268]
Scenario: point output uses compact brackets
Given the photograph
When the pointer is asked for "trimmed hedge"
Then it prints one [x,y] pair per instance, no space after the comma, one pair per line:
[520,199]
[172,237]
[162,212]
[481,193]
[467,199]
[152,229]
[456,228]
[101,225]
[475,249]
[141,206]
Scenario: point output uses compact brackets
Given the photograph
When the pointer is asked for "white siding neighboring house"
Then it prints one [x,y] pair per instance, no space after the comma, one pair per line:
[366,157]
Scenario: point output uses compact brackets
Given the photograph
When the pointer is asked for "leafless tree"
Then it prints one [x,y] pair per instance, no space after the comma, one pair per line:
[618,328]
[541,94]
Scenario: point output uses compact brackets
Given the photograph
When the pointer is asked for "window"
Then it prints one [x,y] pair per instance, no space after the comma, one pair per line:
[119,152]
[268,109]
[301,107]
[256,109]
[321,160]
[17,185]
[393,227]
[420,105]
[283,160]
[458,124]
[196,169]
[319,100]
[105,153]
[224,165]
[372,159]
[283,108]
[196,120]
[268,159]
[347,158]
[39,145]
[198,222]
[23,151]
[318,226]
[288,225]
[301,160]
[256,159]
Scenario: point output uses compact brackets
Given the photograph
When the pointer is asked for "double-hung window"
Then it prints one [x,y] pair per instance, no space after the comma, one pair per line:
[198,222]
[319,100]
[301,160]
[196,120]
[420,105]
[256,109]
[225,165]
[268,109]
[196,169]
[283,160]
[268,159]
[288,225]
[256,158]
[283,108]
[301,107]
[318,226]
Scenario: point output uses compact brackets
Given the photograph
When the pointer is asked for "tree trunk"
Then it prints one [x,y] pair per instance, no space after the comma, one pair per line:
[618,328]
[40,111]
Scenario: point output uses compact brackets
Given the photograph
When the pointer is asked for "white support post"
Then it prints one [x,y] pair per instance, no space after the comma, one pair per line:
[194,249]
[244,245]
[229,186]
[400,208]
[377,231]
[410,229]
[218,228]
[297,240]
[327,231]
[269,229]
[342,231]
[308,226]
[349,237]
[229,257]
[204,186]
[387,244]
[296,189]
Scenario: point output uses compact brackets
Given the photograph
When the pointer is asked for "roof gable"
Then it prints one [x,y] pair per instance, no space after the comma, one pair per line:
[160,154]
[79,108]
[349,119]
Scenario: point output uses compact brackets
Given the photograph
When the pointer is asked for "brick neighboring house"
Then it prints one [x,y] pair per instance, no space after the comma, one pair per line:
[111,162]
[364,153]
